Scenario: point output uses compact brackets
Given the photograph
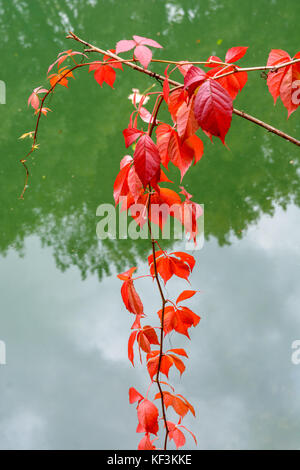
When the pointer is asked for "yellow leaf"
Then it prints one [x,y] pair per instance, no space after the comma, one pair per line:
[27,134]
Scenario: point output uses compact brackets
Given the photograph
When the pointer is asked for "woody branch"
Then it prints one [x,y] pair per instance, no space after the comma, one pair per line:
[131,63]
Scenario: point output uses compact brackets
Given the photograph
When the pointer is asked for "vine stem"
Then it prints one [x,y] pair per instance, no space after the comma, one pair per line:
[163,299]
[161,78]
[34,144]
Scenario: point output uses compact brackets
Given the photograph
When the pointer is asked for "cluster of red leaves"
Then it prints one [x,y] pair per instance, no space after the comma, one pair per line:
[212,95]
[130,191]
[167,360]
[232,83]
[104,70]
[180,404]
[176,317]
[284,82]
[148,418]
[205,101]
[178,263]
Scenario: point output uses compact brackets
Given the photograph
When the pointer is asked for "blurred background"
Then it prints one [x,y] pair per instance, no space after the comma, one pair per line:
[65,384]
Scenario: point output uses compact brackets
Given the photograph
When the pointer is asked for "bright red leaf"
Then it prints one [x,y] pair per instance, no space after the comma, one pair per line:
[186,294]
[179,319]
[193,79]
[131,135]
[234,54]
[134,395]
[213,109]
[146,160]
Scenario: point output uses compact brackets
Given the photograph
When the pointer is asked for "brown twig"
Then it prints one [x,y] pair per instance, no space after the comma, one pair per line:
[237,112]
[267,126]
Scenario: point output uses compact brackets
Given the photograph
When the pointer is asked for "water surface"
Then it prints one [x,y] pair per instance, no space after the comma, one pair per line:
[66,379]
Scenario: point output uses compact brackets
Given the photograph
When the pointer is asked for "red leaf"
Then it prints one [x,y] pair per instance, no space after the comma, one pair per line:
[163,136]
[178,363]
[150,333]
[187,124]
[175,434]
[131,135]
[143,54]
[134,395]
[186,258]
[179,268]
[148,416]
[211,59]
[146,337]
[233,83]
[131,298]
[137,322]
[179,351]
[183,67]
[178,319]
[177,154]
[157,254]
[134,183]
[194,78]
[143,343]
[192,434]
[146,160]
[176,99]
[163,205]
[126,159]
[186,294]
[235,53]
[146,443]
[120,185]
[191,408]
[103,73]
[213,109]
[168,265]
[180,405]
[194,146]
[127,274]
[131,341]
[165,268]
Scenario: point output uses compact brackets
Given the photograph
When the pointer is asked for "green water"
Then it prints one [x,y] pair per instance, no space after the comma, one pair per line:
[66,379]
